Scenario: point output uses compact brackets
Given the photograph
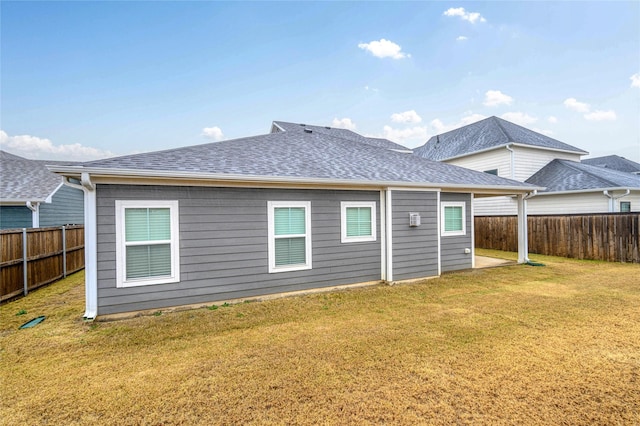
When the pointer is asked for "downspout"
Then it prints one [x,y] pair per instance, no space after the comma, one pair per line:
[512,161]
[35,213]
[613,198]
[90,244]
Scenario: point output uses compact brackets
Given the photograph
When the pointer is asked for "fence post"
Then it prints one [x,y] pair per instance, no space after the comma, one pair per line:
[24,262]
[64,252]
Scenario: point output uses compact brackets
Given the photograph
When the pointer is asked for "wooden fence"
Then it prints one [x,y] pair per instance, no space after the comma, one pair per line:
[613,237]
[33,257]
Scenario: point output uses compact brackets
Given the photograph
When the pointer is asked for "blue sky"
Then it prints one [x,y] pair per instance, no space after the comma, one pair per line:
[81,80]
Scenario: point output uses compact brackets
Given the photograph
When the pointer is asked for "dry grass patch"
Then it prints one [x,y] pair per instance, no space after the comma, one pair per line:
[536,345]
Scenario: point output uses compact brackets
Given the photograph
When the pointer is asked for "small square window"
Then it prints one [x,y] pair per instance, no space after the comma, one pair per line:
[358,221]
[625,206]
[453,219]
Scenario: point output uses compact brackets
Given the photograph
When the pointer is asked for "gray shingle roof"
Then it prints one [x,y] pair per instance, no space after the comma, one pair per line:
[614,162]
[485,134]
[340,133]
[22,179]
[565,175]
[302,155]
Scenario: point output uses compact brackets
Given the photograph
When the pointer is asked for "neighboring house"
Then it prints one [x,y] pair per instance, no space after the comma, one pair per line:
[585,188]
[496,146]
[32,197]
[281,212]
[614,162]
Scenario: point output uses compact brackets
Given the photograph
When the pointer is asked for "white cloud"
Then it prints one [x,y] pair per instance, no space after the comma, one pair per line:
[552,119]
[343,123]
[401,135]
[472,17]
[601,116]
[373,89]
[519,118]
[439,127]
[496,97]
[384,49]
[635,80]
[406,117]
[40,148]
[461,38]
[214,133]
[573,104]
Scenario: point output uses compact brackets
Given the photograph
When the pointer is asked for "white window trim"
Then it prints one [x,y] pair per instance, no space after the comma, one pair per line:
[121,261]
[271,206]
[343,221]
[464,218]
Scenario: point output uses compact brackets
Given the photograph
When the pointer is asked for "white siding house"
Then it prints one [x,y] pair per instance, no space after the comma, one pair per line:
[496,146]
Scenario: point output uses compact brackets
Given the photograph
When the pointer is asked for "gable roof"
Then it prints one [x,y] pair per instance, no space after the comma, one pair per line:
[614,162]
[22,179]
[298,157]
[486,134]
[566,175]
[349,135]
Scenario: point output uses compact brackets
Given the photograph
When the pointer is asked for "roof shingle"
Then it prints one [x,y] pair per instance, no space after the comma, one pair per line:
[489,133]
[565,175]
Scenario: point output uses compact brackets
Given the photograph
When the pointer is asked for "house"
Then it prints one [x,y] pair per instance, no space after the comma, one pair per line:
[274,213]
[31,196]
[586,188]
[499,147]
[614,162]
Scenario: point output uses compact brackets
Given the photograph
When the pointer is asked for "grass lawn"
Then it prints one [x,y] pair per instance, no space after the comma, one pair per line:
[558,344]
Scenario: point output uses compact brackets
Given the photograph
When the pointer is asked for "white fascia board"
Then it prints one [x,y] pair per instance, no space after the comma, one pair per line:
[49,199]
[102,175]
[521,145]
[20,201]
[274,124]
[585,191]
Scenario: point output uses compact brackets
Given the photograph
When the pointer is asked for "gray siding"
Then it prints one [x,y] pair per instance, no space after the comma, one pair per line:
[66,207]
[223,246]
[453,257]
[415,249]
[15,217]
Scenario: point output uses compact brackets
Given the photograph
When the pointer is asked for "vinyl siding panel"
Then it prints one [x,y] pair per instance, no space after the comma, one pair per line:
[591,202]
[223,246]
[15,217]
[495,159]
[415,249]
[452,255]
[528,161]
[66,207]
[495,206]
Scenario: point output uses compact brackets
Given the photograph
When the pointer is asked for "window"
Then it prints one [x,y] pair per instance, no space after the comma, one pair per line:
[453,219]
[492,172]
[625,206]
[147,248]
[289,235]
[358,221]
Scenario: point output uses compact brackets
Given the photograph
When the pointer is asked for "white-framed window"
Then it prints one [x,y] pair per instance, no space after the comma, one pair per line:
[357,221]
[453,219]
[147,242]
[289,227]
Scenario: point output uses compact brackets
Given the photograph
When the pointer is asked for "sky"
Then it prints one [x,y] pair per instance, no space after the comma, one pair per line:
[85,80]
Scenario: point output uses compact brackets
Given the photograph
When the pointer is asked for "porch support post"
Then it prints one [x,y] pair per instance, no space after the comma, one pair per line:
[523,243]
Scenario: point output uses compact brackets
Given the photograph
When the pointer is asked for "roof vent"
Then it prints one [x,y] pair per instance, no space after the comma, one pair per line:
[302,124]
[438,139]
[306,130]
[327,127]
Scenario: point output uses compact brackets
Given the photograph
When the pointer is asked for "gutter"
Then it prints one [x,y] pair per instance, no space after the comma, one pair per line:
[97,173]
[613,198]
[35,213]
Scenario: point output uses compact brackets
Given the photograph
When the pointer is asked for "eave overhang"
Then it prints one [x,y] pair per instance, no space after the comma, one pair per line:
[140,176]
